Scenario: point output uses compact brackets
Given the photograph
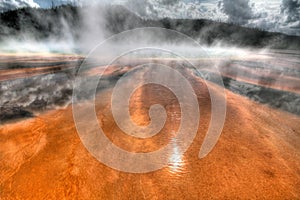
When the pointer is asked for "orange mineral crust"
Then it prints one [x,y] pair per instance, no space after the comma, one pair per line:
[256,157]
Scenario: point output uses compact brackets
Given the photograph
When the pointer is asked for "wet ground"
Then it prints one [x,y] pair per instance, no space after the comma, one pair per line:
[256,157]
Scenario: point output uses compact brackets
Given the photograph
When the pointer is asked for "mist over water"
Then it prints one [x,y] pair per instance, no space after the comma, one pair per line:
[240,67]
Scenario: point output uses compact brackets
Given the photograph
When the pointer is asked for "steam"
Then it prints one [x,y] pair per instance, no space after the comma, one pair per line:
[60,30]
[93,29]
[33,46]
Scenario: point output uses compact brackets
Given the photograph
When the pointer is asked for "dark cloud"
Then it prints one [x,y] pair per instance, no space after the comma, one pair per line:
[291,10]
[139,6]
[238,11]
[149,8]
[169,2]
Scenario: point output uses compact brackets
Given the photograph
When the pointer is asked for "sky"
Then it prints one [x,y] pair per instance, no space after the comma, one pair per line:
[271,15]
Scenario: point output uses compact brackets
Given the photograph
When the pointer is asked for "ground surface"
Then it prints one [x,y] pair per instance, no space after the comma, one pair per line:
[256,157]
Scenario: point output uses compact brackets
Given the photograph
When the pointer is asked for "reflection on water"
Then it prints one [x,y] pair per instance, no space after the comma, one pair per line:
[176,162]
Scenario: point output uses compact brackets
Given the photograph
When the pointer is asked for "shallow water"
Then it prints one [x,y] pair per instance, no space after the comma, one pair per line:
[257,155]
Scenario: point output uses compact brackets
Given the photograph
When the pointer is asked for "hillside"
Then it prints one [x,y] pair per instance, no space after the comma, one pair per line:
[68,21]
